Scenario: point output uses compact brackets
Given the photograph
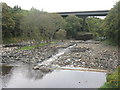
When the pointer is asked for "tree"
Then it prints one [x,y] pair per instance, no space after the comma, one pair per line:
[18,14]
[8,23]
[0,23]
[95,26]
[41,25]
[57,23]
[73,25]
[29,25]
[111,25]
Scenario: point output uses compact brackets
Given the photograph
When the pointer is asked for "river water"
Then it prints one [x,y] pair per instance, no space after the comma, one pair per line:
[26,77]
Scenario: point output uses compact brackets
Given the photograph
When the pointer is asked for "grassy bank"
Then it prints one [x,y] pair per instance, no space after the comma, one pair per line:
[35,46]
[113,80]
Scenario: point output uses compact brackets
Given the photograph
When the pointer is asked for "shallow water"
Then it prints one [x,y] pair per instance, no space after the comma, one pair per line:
[26,77]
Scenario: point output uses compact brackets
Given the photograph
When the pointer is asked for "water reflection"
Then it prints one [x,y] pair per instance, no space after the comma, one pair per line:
[30,73]
[26,77]
[6,74]
[6,69]
[10,72]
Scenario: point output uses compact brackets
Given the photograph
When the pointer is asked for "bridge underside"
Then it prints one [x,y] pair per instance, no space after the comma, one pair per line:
[85,13]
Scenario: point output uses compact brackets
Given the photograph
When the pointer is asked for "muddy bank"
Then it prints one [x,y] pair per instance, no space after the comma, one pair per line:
[37,55]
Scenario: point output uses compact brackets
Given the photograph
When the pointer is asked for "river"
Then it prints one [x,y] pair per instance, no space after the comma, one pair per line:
[24,76]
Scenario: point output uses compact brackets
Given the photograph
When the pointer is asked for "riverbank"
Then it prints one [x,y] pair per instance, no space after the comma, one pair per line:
[30,54]
[90,54]
[86,54]
[112,80]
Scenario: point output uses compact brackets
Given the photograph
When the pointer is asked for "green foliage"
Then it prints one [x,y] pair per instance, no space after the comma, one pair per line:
[12,40]
[94,26]
[18,14]
[109,28]
[40,25]
[11,22]
[35,46]
[0,23]
[27,48]
[32,47]
[53,42]
[73,25]
[33,24]
[112,24]
[113,79]
[8,23]
[43,26]
[61,34]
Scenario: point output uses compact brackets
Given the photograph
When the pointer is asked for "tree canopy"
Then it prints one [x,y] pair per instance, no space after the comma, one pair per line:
[40,25]
[112,24]
[73,25]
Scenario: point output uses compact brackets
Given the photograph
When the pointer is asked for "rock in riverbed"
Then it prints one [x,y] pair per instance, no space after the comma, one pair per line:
[37,55]
[90,55]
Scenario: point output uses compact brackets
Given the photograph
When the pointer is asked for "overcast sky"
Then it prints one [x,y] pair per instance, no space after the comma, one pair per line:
[63,5]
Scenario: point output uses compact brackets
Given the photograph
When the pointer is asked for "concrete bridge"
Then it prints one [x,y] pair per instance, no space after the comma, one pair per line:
[85,13]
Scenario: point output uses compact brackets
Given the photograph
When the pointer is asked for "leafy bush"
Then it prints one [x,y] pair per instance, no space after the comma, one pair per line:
[113,80]
[61,34]
[111,24]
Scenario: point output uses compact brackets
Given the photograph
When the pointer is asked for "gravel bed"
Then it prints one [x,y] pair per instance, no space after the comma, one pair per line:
[87,54]
[90,55]
[37,55]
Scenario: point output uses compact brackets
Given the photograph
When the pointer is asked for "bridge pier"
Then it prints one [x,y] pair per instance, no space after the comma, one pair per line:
[84,23]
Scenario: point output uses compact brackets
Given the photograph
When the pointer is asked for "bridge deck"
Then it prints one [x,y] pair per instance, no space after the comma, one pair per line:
[85,13]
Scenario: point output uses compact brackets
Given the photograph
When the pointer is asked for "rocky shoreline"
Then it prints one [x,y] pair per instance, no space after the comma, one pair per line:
[90,55]
[37,55]
[87,54]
